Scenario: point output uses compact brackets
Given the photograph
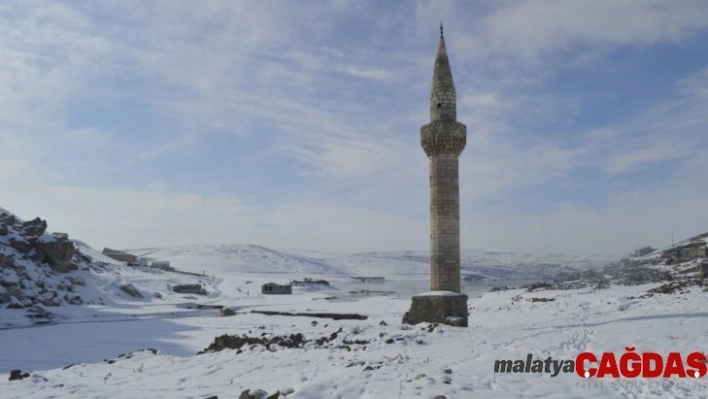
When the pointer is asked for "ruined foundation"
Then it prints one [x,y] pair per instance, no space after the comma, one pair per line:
[444,307]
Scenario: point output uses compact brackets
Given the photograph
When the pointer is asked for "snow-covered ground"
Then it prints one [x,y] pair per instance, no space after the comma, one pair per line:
[390,360]
[456,362]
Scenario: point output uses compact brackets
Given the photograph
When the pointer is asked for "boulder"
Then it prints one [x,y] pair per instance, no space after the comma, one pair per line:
[20,245]
[3,230]
[6,261]
[227,312]
[34,228]
[58,253]
[131,290]
[17,375]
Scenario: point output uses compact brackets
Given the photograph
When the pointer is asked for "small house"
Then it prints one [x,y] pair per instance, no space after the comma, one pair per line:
[120,255]
[276,289]
[162,265]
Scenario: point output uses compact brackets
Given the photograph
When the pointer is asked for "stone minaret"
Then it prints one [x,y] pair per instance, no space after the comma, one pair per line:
[443,140]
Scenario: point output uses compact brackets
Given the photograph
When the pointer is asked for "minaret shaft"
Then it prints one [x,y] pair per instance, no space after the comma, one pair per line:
[444,223]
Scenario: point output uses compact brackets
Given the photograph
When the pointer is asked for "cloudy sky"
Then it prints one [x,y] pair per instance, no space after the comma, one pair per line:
[295,124]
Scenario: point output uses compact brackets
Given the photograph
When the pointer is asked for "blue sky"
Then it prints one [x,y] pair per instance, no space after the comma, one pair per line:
[296,124]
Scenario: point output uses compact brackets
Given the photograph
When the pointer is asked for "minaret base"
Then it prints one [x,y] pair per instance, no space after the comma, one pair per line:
[443,307]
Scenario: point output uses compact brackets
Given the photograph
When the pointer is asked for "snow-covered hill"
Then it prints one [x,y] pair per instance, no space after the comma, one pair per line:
[243,258]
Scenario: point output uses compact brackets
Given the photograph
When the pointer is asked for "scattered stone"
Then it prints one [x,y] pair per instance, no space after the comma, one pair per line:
[253,394]
[237,342]
[441,397]
[227,312]
[447,370]
[335,316]
[383,323]
[389,341]
[540,299]
[17,374]
[276,395]
[157,295]
[212,397]
[314,323]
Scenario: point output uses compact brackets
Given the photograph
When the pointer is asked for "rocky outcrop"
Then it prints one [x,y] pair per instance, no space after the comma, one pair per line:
[34,263]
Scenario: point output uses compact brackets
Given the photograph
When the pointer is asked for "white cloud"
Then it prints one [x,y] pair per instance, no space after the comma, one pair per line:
[541,27]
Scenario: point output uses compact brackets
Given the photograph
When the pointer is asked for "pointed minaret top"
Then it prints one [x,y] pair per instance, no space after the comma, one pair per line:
[443,101]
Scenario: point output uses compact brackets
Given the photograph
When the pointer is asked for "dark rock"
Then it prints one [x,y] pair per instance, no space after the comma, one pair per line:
[34,228]
[131,290]
[237,342]
[17,375]
[20,245]
[253,394]
[276,395]
[383,323]
[6,261]
[37,256]
[227,312]
[441,397]
[9,219]
[3,230]
[212,397]
[58,253]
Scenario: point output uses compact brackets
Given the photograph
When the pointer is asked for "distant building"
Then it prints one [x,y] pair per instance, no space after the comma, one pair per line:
[120,255]
[276,289]
[162,265]
[686,252]
[643,251]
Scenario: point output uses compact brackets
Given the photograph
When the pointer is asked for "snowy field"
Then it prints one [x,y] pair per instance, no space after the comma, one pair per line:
[372,358]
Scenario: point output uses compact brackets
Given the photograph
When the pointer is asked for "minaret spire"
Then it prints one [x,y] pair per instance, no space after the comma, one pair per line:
[443,100]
